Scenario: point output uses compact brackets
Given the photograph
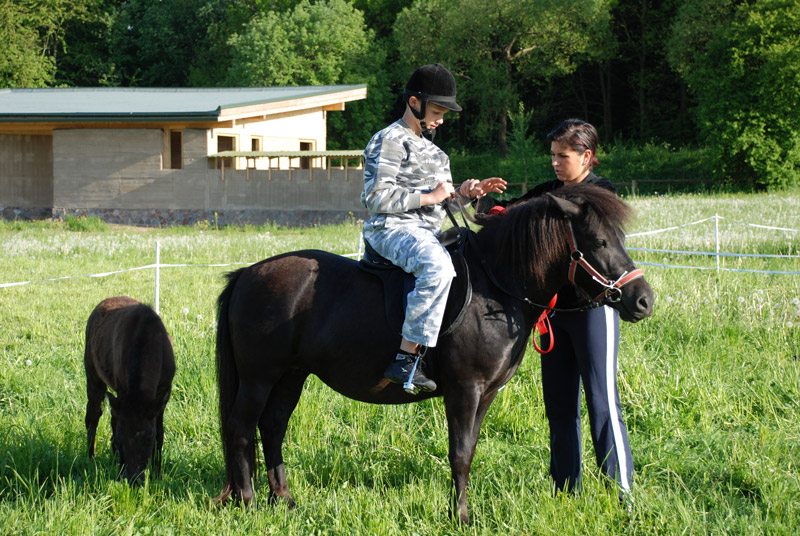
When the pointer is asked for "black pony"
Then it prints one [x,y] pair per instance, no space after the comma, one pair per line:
[313,312]
[128,350]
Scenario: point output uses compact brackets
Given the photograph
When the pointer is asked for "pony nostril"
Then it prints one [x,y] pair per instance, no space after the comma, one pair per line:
[643,304]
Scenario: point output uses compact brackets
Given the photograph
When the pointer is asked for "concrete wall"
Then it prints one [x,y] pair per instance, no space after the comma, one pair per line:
[26,175]
[118,175]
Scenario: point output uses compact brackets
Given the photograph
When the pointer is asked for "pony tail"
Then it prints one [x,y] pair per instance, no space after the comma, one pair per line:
[227,374]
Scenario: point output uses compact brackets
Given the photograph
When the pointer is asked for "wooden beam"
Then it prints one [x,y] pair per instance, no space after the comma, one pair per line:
[47,128]
[302,103]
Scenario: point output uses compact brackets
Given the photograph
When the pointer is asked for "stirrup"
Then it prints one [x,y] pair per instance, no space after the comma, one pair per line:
[409,386]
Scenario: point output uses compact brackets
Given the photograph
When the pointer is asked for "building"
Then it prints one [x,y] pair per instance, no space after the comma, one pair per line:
[176,156]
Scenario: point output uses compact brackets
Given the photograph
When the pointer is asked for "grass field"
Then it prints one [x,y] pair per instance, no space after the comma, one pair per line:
[710,388]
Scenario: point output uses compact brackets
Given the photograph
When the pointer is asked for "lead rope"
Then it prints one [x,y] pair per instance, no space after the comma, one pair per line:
[543,326]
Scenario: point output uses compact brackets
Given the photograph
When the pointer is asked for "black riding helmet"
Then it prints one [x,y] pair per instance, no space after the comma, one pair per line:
[431,83]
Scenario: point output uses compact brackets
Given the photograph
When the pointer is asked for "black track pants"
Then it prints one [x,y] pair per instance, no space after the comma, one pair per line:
[585,351]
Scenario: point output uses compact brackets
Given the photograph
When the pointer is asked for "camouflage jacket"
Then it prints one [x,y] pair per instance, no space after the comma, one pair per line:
[399,167]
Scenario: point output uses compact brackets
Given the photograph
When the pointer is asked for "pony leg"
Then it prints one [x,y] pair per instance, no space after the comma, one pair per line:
[95,392]
[159,444]
[465,412]
[272,425]
[115,442]
[240,443]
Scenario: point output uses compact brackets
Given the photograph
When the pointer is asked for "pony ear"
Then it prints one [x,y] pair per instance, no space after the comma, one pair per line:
[567,208]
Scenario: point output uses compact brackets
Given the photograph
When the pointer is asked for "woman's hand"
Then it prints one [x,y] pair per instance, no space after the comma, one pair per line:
[473,188]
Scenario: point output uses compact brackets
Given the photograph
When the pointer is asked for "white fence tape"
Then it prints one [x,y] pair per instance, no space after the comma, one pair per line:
[145,267]
[669,228]
[763,226]
[717,268]
[103,274]
[157,265]
[716,253]
[712,253]
[715,218]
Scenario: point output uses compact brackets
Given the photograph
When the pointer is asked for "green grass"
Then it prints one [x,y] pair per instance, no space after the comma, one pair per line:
[710,387]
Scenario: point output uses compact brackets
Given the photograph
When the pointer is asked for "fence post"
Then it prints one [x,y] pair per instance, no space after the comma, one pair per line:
[633,186]
[716,239]
[158,273]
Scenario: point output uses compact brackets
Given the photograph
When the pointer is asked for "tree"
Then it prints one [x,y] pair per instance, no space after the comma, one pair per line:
[742,62]
[157,43]
[379,15]
[84,58]
[55,42]
[497,47]
[654,103]
[30,33]
[224,18]
[316,43]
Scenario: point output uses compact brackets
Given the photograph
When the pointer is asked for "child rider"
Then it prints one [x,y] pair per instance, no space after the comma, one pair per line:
[406,181]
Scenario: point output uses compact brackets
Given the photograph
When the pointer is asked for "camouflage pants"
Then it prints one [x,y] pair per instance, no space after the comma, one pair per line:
[417,251]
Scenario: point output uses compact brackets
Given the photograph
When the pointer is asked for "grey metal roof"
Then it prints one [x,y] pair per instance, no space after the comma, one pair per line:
[139,104]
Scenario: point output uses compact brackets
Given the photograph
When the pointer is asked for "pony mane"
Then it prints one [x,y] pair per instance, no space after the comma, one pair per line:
[532,235]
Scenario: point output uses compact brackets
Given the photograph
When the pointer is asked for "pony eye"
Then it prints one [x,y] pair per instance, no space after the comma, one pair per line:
[601,243]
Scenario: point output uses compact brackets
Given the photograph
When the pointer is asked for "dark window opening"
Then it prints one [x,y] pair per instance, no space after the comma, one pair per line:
[305,161]
[255,145]
[176,149]
[225,143]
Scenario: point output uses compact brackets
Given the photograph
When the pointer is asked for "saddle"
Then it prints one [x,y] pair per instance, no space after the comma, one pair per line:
[397,283]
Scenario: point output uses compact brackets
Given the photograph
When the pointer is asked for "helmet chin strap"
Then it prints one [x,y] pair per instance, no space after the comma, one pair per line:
[420,115]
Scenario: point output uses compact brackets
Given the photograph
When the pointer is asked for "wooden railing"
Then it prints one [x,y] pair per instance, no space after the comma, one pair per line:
[342,160]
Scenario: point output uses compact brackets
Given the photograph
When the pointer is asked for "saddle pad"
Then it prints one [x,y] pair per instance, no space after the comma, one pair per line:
[397,284]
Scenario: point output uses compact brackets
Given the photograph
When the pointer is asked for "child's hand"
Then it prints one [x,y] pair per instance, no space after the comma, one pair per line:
[444,190]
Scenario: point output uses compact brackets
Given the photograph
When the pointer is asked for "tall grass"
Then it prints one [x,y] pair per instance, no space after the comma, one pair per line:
[710,387]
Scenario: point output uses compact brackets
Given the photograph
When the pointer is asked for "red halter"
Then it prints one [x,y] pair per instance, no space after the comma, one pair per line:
[612,292]
[613,289]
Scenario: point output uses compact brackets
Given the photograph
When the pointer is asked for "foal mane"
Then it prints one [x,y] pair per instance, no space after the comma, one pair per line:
[532,235]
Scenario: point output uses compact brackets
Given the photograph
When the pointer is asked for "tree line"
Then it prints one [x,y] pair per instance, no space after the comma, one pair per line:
[723,74]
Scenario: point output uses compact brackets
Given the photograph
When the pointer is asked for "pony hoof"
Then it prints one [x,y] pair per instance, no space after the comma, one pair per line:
[275,499]
[222,498]
[460,517]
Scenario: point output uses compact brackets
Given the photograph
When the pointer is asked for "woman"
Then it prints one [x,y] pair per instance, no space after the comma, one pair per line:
[585,343]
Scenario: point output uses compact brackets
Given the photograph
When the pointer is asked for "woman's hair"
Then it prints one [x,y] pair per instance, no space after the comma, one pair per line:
[579,135]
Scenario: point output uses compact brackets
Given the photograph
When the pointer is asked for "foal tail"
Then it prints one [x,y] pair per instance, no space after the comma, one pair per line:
[227,375]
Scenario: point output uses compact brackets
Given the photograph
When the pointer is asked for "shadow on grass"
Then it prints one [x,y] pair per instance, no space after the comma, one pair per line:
[35,466]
